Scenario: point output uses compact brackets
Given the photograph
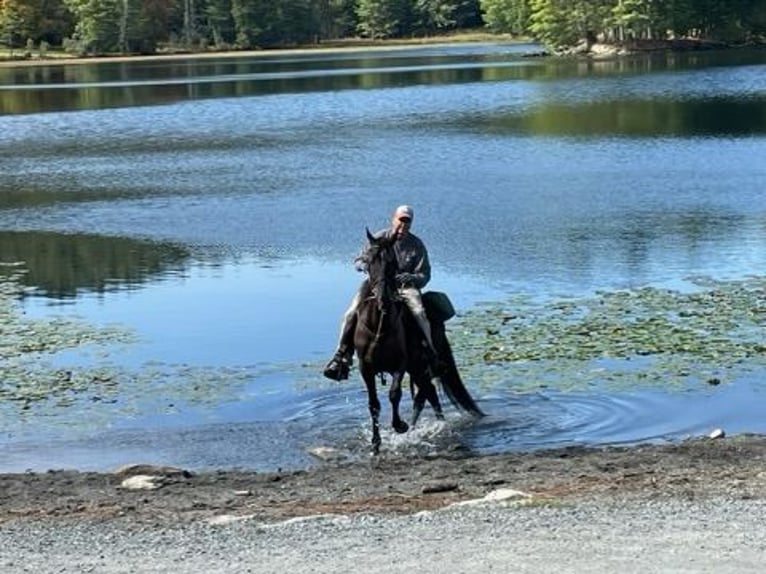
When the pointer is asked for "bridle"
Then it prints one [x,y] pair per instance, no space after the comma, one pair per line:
[381,268]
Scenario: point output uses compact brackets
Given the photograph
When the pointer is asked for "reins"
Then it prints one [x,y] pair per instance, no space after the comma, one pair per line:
[381,324]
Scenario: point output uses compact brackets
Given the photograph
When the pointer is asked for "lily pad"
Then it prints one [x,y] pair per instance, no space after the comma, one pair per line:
[619,338]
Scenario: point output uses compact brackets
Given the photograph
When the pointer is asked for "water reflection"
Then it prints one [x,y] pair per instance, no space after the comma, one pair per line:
[105,85]
[63,265]
[632,118]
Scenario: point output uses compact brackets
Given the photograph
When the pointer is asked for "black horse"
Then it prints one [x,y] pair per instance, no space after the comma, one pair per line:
[388,340]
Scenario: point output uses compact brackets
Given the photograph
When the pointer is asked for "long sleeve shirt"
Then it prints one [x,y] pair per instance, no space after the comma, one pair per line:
[411,257]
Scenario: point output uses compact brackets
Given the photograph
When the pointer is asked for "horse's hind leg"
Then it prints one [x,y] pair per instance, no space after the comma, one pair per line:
[433,399]
[418,401]
[426,392]
[395,396]
[374,406]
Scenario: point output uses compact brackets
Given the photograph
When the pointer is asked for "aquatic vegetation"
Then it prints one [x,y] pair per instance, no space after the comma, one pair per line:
[645,336]
[620,339]
[35,382]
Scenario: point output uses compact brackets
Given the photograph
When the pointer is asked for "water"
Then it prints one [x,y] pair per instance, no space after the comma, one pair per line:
[214,206]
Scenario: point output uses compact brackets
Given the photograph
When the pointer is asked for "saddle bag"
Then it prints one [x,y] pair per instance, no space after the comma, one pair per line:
[438,306]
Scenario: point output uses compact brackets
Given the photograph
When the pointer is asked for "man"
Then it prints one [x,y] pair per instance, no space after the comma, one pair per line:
[414,272]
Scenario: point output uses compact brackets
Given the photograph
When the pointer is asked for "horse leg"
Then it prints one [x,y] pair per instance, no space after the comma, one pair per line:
[395,396]
[374,406]
[426,392]
[418,398]
[433,400]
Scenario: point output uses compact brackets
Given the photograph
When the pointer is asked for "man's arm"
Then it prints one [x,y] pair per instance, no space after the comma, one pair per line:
[420,268]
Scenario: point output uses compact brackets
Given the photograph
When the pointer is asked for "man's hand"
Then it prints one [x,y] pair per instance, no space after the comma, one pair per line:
[405,279]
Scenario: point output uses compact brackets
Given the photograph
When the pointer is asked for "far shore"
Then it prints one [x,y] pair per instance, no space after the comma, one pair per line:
[595,51]
[355,45]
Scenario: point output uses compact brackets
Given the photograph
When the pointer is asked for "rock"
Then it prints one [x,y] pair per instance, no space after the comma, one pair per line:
[717,433]
[501,495]
[142,482]
[152,469]
[439,487]
[326,453]
[224,519]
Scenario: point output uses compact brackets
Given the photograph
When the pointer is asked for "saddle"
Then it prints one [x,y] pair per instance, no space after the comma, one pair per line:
[438,309]
[438,306]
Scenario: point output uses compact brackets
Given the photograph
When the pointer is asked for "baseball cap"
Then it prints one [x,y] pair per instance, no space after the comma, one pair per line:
[404,211]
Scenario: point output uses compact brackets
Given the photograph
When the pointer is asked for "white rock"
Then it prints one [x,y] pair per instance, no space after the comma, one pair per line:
[496,496]
[326,453]
[502,494]
[224,519]
[717,433]
[142,482]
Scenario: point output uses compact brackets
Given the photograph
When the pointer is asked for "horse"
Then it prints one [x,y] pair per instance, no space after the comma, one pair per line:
[388,340]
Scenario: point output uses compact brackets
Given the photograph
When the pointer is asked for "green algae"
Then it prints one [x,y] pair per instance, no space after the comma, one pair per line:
[617,339]
[612,340]
[37,384]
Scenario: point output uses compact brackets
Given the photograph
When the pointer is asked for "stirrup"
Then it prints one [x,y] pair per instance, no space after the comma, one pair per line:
[337,369]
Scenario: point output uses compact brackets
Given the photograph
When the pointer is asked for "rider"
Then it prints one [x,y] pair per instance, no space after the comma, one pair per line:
[414,272]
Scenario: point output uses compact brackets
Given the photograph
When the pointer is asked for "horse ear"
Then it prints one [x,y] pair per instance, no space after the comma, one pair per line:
[370,237]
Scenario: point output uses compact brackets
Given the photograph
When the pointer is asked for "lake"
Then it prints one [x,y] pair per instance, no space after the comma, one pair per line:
[211,208]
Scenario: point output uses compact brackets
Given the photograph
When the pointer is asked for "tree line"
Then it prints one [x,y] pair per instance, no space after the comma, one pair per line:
[563,23]
[128,26]
[144,26]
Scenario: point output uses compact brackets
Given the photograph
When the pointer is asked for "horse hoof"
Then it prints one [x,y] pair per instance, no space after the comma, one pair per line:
[401,427]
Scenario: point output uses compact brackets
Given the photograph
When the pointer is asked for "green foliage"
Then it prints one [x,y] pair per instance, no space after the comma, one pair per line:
[16,22]
[563,23]
[631,16]
[98,24]
[552,23]
[433,15]
[383,18]
[159,20]
[219,22]
[335,18]
[246,15]
[510,16]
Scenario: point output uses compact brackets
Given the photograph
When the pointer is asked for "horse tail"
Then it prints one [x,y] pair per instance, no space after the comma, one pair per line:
[452,383]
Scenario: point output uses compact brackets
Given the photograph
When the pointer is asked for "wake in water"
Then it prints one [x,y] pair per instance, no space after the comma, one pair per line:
[430,437]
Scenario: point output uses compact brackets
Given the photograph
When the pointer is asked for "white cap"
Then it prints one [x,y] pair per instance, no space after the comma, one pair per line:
[404,211]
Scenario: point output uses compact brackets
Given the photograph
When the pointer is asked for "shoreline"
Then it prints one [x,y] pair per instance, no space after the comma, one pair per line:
[596,51]
[330,47]
[390,484]
[693,507]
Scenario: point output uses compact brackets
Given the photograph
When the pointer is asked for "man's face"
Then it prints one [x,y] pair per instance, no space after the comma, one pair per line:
[401,225]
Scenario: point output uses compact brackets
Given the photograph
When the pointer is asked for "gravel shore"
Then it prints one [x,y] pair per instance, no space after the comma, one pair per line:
[609,535]
[698,506]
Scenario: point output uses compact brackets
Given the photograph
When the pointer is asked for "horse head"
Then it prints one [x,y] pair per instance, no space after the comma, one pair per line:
[380,263]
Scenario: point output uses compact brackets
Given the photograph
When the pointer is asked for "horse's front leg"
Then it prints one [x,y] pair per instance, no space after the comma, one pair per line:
[395,396]
[374,406]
